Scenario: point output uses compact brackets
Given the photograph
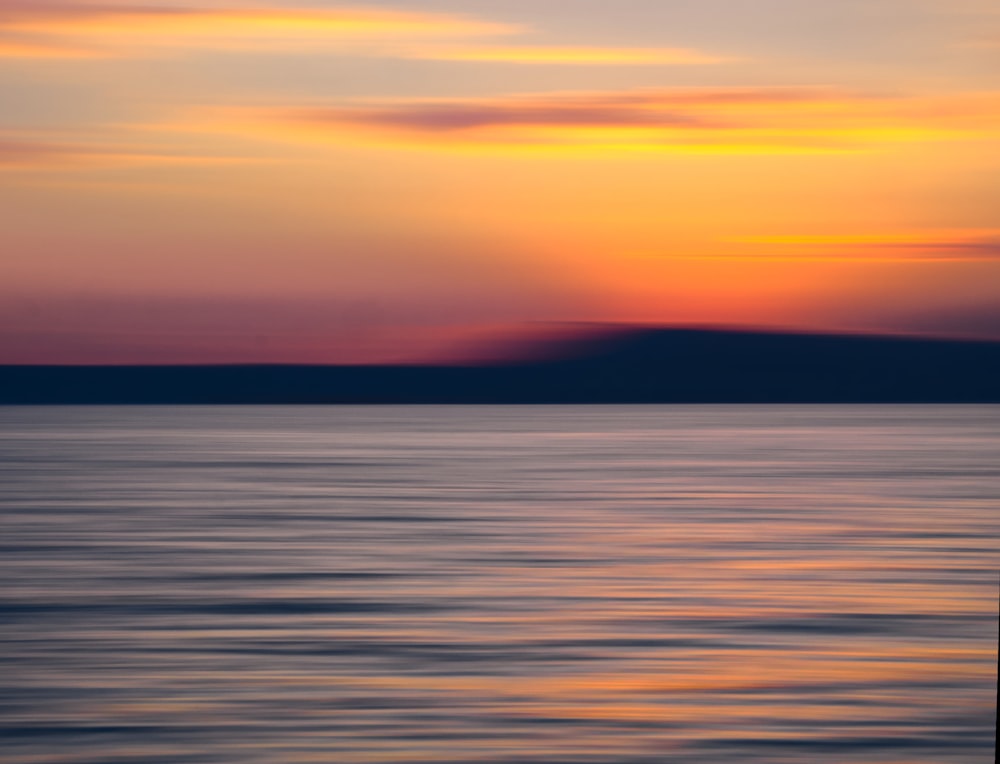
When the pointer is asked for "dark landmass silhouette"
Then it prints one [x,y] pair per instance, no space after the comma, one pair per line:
[629,365]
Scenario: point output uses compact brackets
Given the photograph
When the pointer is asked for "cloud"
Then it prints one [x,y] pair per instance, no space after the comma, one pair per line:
[683,119]
[949,245]
[566,55]
[15,48]
[37,29]
[926,309]
[92,30]
[974,321]
[17,153]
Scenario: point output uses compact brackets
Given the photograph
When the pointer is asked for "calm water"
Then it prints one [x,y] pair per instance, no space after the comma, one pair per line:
[592,585]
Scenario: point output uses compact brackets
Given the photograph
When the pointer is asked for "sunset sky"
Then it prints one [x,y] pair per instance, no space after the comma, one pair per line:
[312,181]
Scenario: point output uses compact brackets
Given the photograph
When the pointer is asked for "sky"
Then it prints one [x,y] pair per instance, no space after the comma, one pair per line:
[308,181]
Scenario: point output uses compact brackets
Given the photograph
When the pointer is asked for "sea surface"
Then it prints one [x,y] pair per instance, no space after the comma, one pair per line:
[536,584]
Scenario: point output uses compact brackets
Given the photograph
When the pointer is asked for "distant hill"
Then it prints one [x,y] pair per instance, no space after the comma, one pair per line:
[625,366]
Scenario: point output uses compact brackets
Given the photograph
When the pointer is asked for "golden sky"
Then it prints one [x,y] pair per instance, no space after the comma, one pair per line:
[305,180]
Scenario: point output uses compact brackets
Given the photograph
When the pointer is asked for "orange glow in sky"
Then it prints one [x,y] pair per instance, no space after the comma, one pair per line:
[328,182]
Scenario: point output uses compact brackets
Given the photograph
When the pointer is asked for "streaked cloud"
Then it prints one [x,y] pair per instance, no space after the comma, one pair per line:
[12,47]
[951,244]
[92,30]
[19,153]
[683,119]
[29,29]
[565,55]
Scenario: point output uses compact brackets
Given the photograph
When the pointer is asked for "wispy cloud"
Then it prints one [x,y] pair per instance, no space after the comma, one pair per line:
[950,244]
[60,29]
[12,47]
[686,119]
[20,153]
[565,55]
[89,30]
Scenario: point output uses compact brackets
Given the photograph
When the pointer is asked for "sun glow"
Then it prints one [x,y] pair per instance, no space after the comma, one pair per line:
[408,166]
